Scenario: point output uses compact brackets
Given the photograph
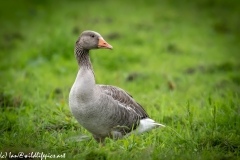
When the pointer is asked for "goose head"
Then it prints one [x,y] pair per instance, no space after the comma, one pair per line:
[92,40]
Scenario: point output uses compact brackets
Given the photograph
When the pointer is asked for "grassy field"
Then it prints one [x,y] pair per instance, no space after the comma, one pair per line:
[180,60]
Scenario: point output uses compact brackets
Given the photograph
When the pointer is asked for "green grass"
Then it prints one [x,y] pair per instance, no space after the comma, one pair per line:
[180,60]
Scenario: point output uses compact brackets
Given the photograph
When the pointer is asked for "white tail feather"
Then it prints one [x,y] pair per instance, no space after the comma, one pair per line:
[145,125]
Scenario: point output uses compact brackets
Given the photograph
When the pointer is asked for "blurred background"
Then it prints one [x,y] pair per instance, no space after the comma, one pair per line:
[166,52]
[160,42]
[165,39]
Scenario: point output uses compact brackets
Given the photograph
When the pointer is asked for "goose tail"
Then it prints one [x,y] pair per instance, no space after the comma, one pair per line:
[147,124]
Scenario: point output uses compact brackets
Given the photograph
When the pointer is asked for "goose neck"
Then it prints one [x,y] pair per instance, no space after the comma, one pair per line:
[83,58]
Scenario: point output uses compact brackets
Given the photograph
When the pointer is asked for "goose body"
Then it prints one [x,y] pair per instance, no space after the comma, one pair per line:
[104,110]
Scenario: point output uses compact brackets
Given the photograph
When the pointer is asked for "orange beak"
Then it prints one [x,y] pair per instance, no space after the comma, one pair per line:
[103,44]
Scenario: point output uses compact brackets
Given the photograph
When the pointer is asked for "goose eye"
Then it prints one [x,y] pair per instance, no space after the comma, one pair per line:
[92,36]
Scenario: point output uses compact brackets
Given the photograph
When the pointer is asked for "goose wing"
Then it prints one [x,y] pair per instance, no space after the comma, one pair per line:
[127,113]
[125,100]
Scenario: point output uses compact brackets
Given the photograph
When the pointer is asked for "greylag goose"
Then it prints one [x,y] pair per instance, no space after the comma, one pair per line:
[104,110]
